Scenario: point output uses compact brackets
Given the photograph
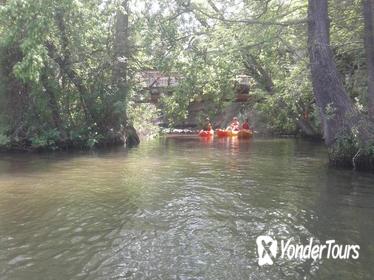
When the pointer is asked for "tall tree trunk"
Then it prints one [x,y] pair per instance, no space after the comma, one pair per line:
[120,68]
[336,109]
[121,50]
[368,11]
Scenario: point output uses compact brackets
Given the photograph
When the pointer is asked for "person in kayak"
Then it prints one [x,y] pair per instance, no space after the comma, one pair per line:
[207,125]
[245,125]
[235,125]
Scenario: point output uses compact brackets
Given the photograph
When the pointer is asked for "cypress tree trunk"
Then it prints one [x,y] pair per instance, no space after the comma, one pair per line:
[122,52]
[368,11]
[121,49]
[336,109]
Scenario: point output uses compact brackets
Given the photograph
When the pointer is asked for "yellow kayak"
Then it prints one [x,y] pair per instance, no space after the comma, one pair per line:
[244,133]
[233,133]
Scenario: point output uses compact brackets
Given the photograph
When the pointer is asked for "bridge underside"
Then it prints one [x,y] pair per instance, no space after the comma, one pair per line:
[198,110]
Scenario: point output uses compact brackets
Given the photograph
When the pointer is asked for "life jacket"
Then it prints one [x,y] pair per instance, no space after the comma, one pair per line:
[245,125]
[235,125]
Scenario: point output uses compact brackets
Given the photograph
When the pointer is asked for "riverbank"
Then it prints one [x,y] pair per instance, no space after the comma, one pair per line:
[59,145]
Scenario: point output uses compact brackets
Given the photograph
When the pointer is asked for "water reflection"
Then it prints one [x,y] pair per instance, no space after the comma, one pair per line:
[180,209]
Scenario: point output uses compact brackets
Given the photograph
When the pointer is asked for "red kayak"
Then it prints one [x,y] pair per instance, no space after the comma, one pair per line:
[206,133]
[223,133]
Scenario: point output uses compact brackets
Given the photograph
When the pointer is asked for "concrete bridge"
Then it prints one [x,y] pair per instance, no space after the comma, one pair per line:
[155,84]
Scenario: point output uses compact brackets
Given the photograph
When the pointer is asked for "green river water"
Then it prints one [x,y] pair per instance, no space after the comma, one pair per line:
[181,208]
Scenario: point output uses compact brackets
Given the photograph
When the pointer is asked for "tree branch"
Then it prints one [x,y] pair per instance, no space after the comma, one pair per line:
[255,21]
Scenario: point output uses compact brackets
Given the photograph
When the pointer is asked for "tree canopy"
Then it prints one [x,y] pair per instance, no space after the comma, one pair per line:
[70,69]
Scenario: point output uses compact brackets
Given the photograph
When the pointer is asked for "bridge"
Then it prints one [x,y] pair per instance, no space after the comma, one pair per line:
[155,84]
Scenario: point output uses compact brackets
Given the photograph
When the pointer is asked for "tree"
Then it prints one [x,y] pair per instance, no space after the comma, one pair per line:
[368,11]
[336,109]
[120,68]
[57,83]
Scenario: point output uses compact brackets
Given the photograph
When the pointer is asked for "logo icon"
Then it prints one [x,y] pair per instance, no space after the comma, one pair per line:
[267,249]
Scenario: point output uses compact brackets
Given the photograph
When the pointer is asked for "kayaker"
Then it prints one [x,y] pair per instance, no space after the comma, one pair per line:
[235,125]
[207,125]
[245,125]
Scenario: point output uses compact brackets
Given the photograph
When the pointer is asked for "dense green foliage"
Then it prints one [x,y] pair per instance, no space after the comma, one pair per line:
[209,43]
[57,59]
[56,85]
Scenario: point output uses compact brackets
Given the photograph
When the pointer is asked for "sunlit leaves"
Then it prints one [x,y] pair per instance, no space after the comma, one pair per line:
[32,64]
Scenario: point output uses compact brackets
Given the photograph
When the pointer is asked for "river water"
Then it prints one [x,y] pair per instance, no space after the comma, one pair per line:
[181,208]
